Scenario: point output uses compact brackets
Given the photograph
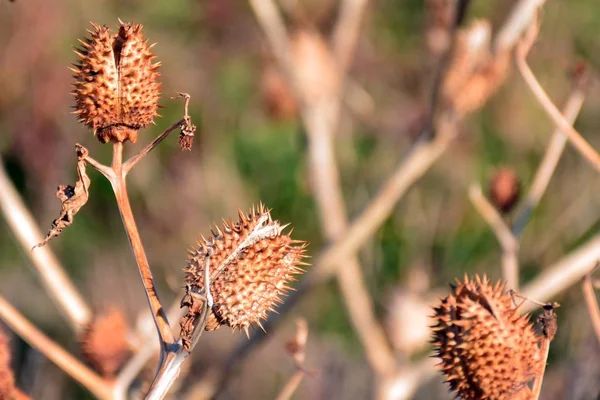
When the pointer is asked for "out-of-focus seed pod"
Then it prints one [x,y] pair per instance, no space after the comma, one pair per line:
[104,342]
[251,264]
[7,380]
[278,99]
[474,73]
[505,189]
[487,349]
[116,88]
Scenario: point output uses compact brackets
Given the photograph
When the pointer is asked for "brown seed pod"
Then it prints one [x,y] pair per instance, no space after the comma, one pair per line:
[7,380]
[474,73]
[487,349]
[116,88]
[251,262]
[505,189]
[278,100]
[104,342]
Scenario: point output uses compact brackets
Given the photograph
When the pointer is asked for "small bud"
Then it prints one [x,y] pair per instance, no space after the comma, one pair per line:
[104,342]
[504,189]
[251,262]
[487,349]
[116,88]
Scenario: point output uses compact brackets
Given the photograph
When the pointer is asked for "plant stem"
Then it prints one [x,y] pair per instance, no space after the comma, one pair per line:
[592,304]
[119,187]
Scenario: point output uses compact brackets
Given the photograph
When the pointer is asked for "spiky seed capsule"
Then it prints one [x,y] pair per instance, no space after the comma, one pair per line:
[104,342]
[251,263]
[487,349]
[116,87]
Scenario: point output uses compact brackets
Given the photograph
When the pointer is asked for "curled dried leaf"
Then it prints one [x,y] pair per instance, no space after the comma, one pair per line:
[72,198]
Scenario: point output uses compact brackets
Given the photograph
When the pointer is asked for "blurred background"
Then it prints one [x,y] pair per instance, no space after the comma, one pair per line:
[250,146]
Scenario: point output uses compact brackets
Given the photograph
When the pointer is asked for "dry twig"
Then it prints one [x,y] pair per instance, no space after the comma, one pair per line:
[508,242]
[591,302]
[580,144]
[296,347]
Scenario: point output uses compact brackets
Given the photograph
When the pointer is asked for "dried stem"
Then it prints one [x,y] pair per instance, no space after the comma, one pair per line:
[321,120]
[419,160]
[563,274]
[346,32]
[298,351]
[148,350]
[548,165]
[130,163]
[580,144]
[592,303]
[119,187]
[508,242]
[520,18]
[56,282]
[65,361]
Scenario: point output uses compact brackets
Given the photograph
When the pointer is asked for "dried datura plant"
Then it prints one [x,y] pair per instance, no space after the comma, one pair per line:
[488,350]
[234,278]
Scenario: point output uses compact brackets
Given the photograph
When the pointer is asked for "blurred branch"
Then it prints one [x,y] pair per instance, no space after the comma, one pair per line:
[563,274]
[508,242]
[580,144]
[591,302]
[56,282]
[55,353]
[273,26]
[520,18]
[321,116]
[346,32]
[297,348]
[548,165]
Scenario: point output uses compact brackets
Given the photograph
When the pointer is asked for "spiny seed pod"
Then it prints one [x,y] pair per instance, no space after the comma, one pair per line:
[116,88]
[251,261]
[104,342]
[505,189]
[487,349]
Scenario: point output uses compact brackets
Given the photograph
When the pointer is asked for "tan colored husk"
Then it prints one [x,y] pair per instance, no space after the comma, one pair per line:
[104,342]
[474,73]
[246,280]
[116,88]
[487,349]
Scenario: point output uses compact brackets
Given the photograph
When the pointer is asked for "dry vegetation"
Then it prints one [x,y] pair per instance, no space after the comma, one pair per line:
[408,142]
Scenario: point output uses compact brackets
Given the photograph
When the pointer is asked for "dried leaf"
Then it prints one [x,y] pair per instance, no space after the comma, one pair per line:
[72,198]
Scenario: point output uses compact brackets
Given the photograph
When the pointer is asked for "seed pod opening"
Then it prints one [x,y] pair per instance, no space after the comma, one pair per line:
[251,263]
[116,88]
[487,349]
